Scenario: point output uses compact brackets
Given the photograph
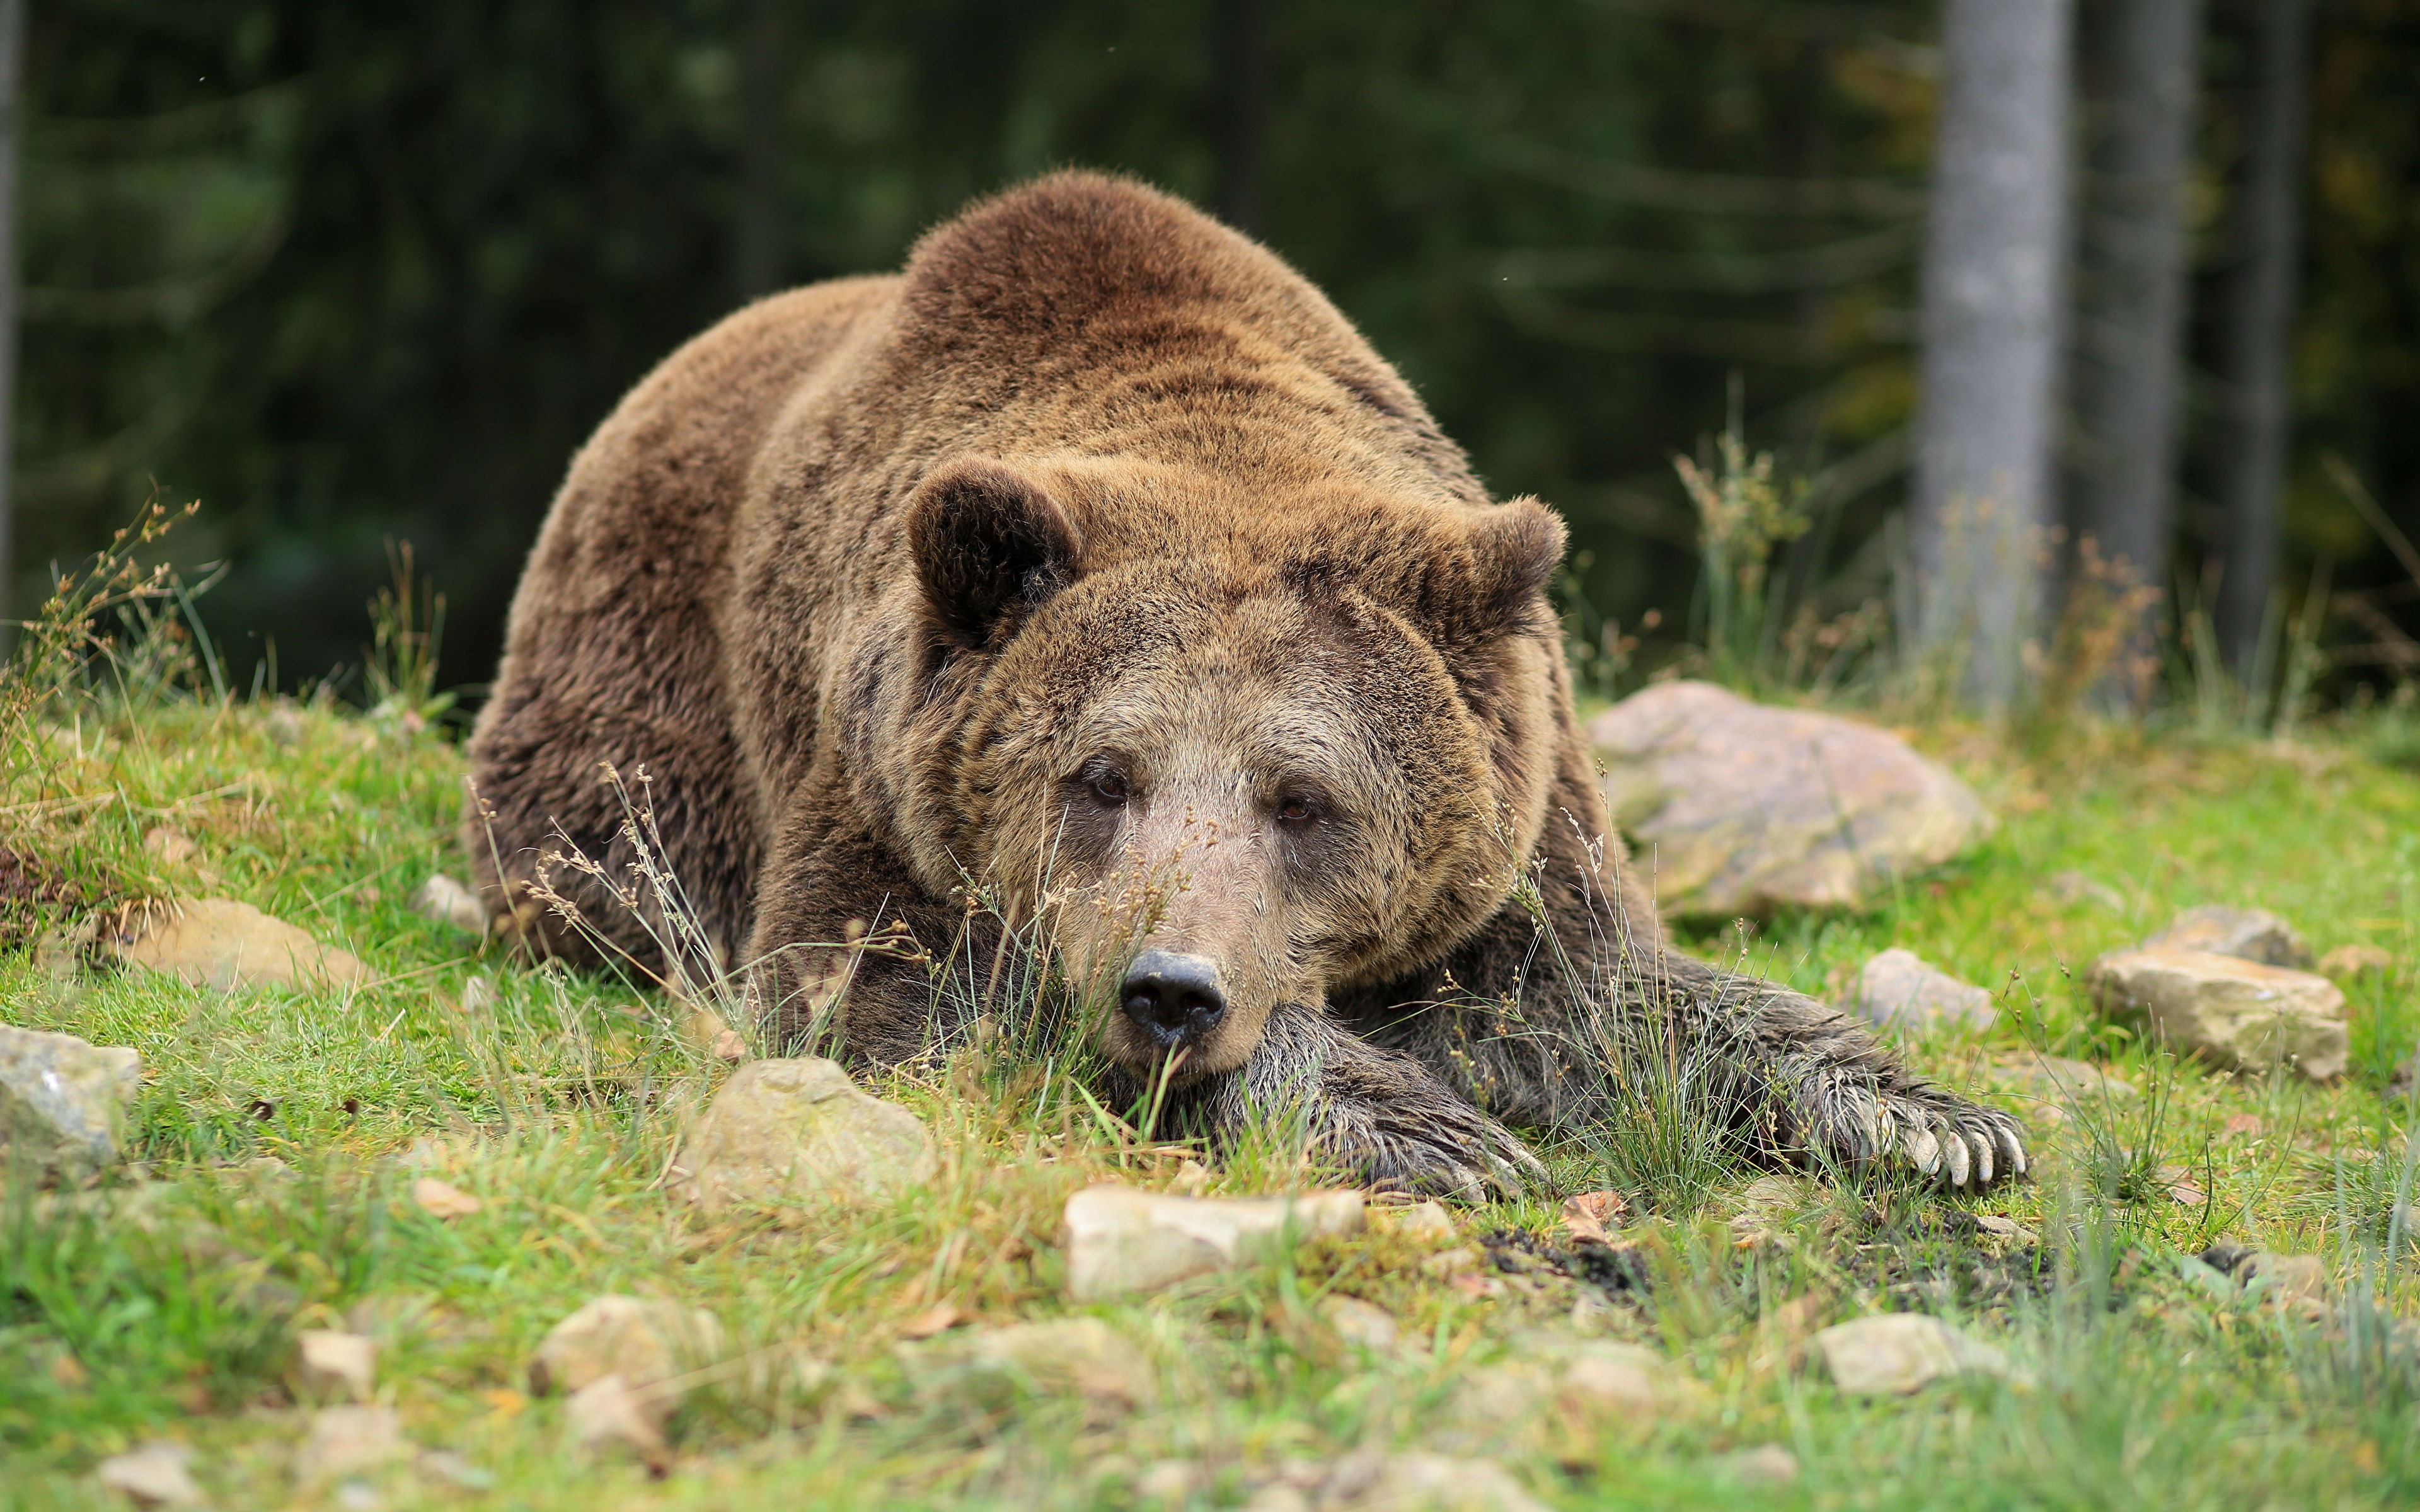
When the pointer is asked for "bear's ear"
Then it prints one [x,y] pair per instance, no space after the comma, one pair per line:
[1491,592]
[990,546]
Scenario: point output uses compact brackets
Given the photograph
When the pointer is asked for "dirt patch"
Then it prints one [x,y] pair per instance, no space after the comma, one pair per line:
[33,894]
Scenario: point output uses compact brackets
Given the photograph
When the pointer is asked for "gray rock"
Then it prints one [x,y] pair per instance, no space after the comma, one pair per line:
[446,901]
[1898,988]
[1423,1220]
[2232,1011]
[1168,1480]
[1895,1353]
[607,1414]
[644,1340]
[336,1365]
[2058,1081]
[1360,1323]
[152,1476]
[2248,933]
[798,1130]
[1423,1483]
[1123,1240]
[346,1440]
[231,946]
[62,1102]
[1767,1464]
[2350,963]
[1081,1355]
[1735,808]
[2075,887]
[1581,1385]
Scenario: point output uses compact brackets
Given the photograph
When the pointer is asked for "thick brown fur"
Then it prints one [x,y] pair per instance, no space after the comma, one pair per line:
[1097,559]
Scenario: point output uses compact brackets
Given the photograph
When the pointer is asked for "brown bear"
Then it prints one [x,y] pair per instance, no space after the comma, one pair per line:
[1095,562]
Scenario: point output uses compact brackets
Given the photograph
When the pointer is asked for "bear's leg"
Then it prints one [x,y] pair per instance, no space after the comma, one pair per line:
[1829,1088]
[1377,1113]
[1504,1023]
[542,797]
[846,939]
[1539,1018]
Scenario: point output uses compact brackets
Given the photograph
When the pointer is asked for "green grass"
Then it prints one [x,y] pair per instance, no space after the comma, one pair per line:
[165,1307]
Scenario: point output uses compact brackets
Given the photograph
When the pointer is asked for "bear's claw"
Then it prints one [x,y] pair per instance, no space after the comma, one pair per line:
[1957,1142]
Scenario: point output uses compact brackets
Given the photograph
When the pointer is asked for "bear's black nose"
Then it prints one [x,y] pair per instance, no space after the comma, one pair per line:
[1175,996]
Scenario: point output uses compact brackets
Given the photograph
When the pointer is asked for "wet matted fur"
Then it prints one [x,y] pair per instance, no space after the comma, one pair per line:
[1097,557]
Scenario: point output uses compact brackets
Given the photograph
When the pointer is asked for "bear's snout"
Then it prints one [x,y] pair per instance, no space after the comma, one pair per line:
[1174,998]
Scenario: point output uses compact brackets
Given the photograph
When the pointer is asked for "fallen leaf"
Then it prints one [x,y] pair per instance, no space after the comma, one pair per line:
[441,1199]
[932,1320]
[2244,1124]
[2181,1186]
[1594,1215]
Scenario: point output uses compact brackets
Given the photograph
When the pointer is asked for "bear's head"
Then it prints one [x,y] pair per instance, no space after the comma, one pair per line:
[1240,750]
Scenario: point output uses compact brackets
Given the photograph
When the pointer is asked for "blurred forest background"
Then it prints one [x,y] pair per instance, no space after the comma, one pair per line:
[353,273]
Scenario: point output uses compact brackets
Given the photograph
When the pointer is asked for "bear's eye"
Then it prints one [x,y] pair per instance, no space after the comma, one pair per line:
[1108,785]
[1296,809]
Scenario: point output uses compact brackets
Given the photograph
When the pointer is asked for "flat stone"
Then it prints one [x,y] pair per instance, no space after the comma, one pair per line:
[1767,1464]
[2247,934]
[1067,1354]
[1168,1480]
[609,1413]
[448,901]
[1735,808]
[63,1102]
[2232,1011]
[1900,1352]
[170,847]
[1574,1388]
[1606,1377]
[443,1199]
[338,1364]
[788,1131]
[2352,962]
[154,1474]
[1123,1240]
[1424,1219]
[1360,1323]
[2061,1080]
[231,946]
[644,1340]
[346,1440]
[1424,1483]
[1900,989]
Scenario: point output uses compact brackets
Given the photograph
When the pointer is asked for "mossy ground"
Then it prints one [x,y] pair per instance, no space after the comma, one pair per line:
[555,1098]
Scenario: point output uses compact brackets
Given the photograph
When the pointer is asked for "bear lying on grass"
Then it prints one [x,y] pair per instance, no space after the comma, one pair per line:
[1097,562]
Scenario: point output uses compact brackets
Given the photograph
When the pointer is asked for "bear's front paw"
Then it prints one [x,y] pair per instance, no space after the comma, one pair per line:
[1460,1154]
[1959,1143]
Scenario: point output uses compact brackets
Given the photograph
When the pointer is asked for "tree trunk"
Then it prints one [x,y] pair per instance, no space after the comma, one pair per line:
[1243,82]
[758,262]
[12,136]
[2256,335]
[1989,325]
[2131,277]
